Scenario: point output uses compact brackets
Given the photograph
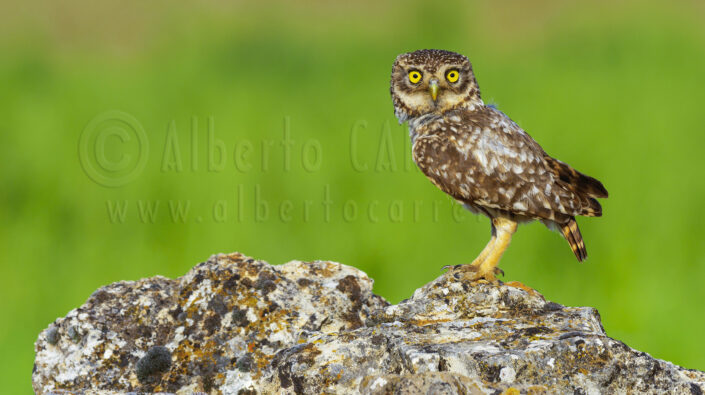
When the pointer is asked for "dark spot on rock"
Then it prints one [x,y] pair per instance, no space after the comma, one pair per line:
[518,306]
[198,278]
[552,306]
[211,324]
[176,313]
[579,343]
[124,360]
[139,331]
[74,333]
[378,339]
[442,364]
[298,384]
[269,309]
[307,354]
[182,316]
[267,275]
[569,335]
[99,296]
[536,330]
[247,391]
[240,317]
[616,344]
[231,283]
[185,293]
[245,363]
[490,373]
[377,318]
[304,282]
[284,374]
[579,391]
[353,318]
[349,286]
[654,369]
[246,282]
[614,373]
[52,335]
[217,305]
[313,325]
[695,389]
[265,283]
[156,361]
[196,315]
[208,383]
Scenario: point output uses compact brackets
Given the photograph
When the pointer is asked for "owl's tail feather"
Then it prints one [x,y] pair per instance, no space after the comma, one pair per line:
[571,232]
[582,183]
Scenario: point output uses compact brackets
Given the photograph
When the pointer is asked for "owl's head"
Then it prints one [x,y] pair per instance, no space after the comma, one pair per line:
[432,81]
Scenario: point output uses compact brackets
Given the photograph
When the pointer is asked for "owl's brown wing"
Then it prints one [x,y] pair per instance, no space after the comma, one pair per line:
[484,159]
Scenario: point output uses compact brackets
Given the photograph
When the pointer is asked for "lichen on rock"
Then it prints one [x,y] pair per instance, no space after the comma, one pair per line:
[235,325]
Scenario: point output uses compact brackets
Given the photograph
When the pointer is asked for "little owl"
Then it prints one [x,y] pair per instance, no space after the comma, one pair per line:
[485,161]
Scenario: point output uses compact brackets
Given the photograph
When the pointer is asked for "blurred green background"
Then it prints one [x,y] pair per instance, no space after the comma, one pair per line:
[613,88]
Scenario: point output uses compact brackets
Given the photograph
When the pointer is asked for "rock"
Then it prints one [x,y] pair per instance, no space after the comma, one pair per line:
[235,325]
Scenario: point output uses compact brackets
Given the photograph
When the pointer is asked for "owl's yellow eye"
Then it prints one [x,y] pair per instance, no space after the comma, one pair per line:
[414,76]
[452,75]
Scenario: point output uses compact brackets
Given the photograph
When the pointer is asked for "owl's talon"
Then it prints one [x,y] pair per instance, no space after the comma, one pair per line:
[473,273]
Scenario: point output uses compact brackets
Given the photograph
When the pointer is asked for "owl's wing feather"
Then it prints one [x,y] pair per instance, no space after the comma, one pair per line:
[483,158]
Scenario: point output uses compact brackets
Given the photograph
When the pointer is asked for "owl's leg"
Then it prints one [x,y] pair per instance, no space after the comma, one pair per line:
[505,228]
[488,248]
[480,258]
[485,266]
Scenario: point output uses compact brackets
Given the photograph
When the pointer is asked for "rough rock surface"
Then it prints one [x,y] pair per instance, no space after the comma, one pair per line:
[235,325]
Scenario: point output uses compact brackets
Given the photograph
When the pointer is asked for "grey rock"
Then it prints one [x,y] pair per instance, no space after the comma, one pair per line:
[235,325]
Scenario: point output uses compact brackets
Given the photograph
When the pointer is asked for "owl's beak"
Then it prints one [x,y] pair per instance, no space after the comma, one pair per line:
[433,89]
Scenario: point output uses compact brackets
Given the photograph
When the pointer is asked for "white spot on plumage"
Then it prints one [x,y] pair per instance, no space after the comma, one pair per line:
[480,156]
[520,206]
[545,203]
[493,163]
